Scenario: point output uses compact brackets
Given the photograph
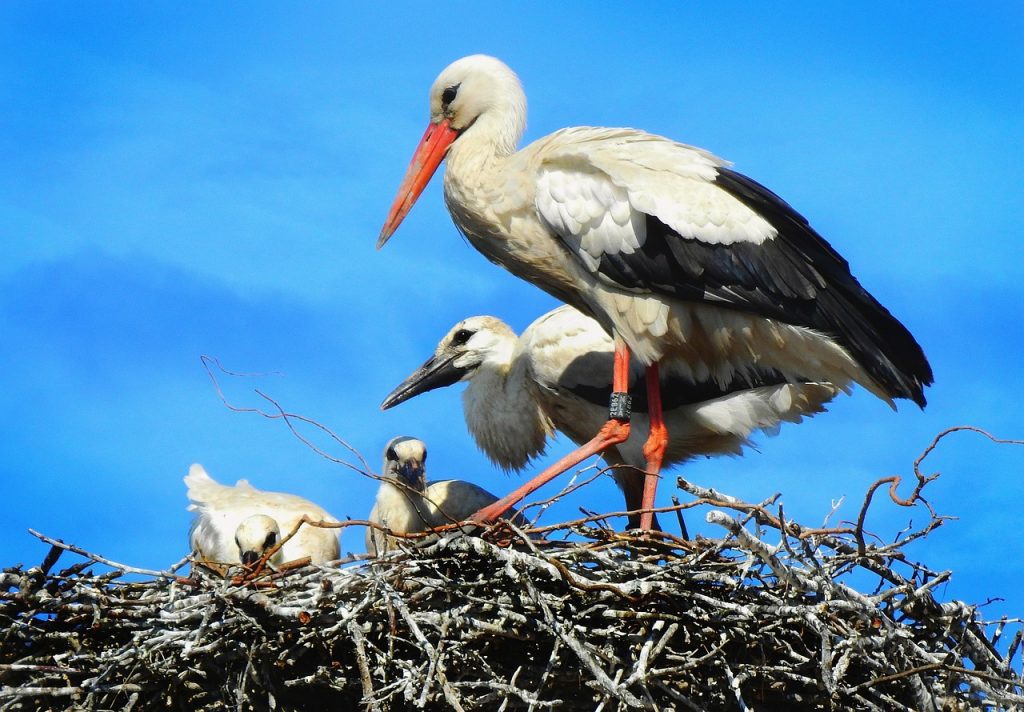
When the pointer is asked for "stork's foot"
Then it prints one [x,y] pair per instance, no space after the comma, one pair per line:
[634,523]
[613,432]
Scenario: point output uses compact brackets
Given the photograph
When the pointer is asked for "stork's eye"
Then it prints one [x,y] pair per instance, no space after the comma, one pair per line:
[448,95]
[461,336]
[270,540]
[391,454]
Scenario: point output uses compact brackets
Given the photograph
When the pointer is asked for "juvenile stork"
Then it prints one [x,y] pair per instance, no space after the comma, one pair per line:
[677,256]
[238,524]
[557,376]
[405,504]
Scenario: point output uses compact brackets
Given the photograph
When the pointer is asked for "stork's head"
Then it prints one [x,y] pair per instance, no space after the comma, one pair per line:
[476,93]
[477,86]
[405,461]
[467,345]
[254,536]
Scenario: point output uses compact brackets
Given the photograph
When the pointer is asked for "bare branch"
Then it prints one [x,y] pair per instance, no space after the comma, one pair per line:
[768,616]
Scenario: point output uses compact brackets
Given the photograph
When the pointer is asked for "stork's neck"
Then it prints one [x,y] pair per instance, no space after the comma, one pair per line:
[499,127]
[407,493]
[474,173]
[481,147]
[502,413]
[402,508]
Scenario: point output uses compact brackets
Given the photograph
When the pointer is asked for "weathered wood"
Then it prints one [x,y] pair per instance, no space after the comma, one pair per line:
[767,617]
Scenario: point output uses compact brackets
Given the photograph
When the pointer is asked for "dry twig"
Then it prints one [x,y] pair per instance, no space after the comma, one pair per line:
[766,617]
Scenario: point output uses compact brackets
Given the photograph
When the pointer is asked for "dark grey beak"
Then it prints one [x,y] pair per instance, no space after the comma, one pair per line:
[436,372]
[249,558]
[412,472]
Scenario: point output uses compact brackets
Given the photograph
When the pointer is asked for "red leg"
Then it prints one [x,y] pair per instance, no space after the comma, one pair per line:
[654,448]
[620,368]
[615,431]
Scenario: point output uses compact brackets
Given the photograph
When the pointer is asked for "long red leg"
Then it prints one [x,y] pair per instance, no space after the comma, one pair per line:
[620,369]
[615,431]
[654,448]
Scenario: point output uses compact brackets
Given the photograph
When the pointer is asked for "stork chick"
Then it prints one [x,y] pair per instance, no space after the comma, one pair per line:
[557,376]
[407,505]
[238,524]
[255,536]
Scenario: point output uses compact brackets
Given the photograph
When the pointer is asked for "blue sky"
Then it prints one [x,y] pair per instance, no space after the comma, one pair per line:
[212,180]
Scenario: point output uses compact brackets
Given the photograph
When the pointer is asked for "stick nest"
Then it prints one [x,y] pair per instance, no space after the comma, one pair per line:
[576,616]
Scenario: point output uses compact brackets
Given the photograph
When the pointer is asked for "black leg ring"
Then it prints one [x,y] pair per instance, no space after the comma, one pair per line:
[620,407]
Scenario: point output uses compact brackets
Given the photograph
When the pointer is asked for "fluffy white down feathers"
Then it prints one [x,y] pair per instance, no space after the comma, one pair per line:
[235,521]
[405,504]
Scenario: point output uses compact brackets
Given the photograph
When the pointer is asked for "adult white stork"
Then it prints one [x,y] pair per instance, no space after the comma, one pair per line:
[557,376]
[238,524]
[405,504]
[674,254]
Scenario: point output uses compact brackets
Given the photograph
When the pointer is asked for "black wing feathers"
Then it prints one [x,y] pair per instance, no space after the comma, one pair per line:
[676,391]
[844,308]
[796,278]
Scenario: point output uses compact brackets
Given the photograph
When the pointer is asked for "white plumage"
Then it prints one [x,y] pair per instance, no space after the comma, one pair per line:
[550,212]
[557,376]
[405,504]
[678,257]
[236,524]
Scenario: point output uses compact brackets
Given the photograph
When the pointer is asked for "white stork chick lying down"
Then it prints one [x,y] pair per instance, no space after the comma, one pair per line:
[238,524]
[405,504]
[676,255]
[557,376]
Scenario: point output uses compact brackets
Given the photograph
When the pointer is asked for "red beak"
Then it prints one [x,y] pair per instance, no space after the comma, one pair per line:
[428,157]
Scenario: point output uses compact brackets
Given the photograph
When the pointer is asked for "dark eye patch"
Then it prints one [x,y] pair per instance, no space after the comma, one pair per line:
[391,454]
[270,540]
[461,336]
[448,95]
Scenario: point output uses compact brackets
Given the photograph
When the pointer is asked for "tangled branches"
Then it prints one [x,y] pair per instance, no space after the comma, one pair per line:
[770,615]
[606,622]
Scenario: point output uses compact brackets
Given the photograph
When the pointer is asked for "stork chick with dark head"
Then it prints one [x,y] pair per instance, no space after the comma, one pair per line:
[556,377]
[405,504]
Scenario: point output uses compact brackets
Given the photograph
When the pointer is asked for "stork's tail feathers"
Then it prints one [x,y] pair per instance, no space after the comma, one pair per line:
[791,402]
[876,339]
[765,408]
[201,487]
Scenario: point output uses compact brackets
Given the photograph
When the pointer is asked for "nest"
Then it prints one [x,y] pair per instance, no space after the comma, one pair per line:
[573,616]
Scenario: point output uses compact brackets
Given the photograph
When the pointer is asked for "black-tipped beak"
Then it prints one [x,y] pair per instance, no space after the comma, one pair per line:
[411,471]
[249,558]
[437,372]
